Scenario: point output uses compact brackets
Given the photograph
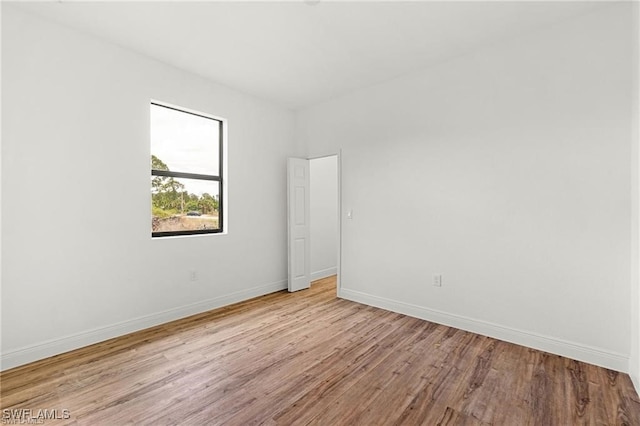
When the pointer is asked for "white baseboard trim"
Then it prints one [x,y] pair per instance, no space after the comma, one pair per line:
[318,275]
[636,382]
[591,355]
[27,354]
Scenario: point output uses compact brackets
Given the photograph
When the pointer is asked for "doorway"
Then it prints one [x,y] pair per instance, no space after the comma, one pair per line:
[324,217]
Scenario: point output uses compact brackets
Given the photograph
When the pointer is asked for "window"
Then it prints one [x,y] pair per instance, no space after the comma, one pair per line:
[186,172]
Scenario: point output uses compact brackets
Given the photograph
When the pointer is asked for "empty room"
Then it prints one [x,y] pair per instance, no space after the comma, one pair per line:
[320,212]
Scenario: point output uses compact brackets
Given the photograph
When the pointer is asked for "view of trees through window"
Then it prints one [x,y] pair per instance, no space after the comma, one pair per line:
[185,172]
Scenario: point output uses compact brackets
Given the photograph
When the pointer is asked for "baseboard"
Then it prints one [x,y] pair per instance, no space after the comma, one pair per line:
[636,382]
[318,275]
[25,355]
[591,355]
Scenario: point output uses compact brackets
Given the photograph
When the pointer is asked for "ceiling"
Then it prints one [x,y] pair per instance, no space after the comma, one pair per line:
[299,53]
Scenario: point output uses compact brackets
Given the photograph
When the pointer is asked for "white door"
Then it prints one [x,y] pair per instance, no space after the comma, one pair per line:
[298,223]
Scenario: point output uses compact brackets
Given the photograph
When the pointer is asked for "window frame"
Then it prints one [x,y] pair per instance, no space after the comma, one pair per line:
[181,174]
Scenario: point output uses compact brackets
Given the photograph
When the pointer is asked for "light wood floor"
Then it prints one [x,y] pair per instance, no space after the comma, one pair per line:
[310,358]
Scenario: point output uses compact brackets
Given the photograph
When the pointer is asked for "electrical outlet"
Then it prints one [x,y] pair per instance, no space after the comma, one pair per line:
[437,280]
[193,275]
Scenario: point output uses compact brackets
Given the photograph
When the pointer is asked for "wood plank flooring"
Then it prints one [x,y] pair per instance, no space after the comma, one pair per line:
[310,358]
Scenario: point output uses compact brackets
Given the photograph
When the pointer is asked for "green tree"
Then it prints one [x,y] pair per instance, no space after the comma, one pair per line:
[208,204]
[192,205]
[166,192]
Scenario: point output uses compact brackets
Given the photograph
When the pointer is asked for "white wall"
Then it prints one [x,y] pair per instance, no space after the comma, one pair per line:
[634,361]
[1,173]
[324,216]
[79,264]
[507,171]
